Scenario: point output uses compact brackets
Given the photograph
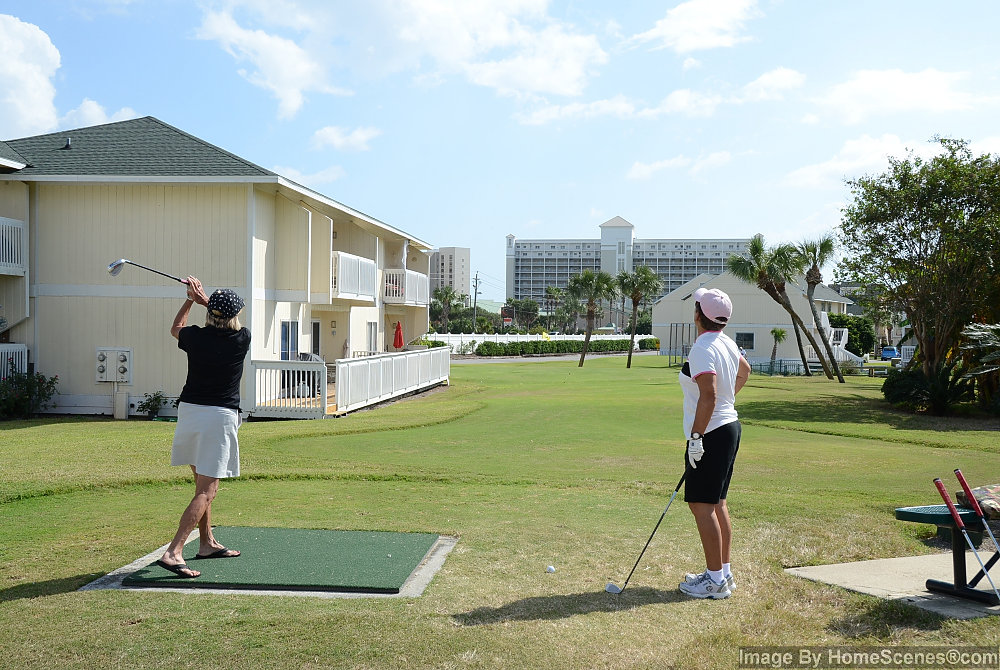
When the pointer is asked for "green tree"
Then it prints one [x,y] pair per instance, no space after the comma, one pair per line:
[860,332]
[779,335]
[770,269]
[591,288]
[923,236]
[814,254]
[446,298]
[637,286]
[553,294]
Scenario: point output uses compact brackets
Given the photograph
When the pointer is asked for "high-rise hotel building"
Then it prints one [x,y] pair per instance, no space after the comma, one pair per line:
[532,265]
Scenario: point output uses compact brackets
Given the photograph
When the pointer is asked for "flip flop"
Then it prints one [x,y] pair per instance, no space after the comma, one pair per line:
[219,553]
[177,569]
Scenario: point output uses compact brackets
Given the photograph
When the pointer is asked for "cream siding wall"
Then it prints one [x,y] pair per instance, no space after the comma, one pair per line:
[321,265]
[291,242]
[79,228]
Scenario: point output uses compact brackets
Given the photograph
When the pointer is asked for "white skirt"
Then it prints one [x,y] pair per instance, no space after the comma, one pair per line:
[206,438]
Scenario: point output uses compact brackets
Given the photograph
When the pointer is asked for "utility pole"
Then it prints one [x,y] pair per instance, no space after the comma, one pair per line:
[475,295]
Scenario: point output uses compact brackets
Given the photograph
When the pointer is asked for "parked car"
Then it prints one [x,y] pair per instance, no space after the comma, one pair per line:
[889,353]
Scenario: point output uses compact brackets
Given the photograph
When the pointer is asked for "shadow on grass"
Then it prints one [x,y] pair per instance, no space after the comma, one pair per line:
[49,587]
[833,409]
[883,618]
[564,606]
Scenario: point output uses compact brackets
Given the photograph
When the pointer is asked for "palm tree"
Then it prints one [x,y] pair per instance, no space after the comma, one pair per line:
[770,269]
[591,287]
[447,297]
[815,254]
[637,286]
[553,294]
[779,335]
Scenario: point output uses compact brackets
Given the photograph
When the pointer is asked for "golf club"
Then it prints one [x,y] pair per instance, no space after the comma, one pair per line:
[982,517]
[115,267]
[612,587]
[961,525]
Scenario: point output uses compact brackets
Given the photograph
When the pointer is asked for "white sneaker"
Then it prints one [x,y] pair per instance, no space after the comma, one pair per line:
[690,577]
[704,587]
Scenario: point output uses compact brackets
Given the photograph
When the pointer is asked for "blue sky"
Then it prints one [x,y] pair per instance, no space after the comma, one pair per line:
[461,121]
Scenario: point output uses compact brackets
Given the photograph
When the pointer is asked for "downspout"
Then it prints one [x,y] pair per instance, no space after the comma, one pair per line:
[251,381]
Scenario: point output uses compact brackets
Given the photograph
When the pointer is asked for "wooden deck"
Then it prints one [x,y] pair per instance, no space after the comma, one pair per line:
[307,401]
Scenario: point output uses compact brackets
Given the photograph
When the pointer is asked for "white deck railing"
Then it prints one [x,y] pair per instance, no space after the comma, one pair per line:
[290,389]
[371,379]
[406,287]
[16,354]
[353,277]
[11,247]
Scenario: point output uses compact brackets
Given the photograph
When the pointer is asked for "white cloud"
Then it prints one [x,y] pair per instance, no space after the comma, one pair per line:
[343,140]
[28,62]
[314,180]
[690,63]
[647,170]
[618,106]
[857,157]
[701,24]
[879,92]
[280,65]
[90,113]
[713,160]
[772,85]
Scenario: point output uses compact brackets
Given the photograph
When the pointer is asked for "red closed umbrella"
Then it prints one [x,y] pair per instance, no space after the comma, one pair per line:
[397,340]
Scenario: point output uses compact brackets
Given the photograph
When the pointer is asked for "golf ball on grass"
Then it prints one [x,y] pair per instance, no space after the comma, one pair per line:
[551,568]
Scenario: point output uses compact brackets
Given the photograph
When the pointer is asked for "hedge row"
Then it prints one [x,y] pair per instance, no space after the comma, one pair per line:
[559,347]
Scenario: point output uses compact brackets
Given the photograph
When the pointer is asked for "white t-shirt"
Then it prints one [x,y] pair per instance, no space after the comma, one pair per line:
[712,353]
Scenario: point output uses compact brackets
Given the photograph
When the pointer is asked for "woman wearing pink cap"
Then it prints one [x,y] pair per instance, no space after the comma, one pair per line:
[208,415]
[712,376]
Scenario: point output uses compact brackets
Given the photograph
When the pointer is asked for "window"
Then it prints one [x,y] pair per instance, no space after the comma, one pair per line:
[621,248]
[314,345]
[289,340]
[744,341]
[372,335]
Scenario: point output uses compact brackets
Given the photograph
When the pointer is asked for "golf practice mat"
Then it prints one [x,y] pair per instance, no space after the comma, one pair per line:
[299,559]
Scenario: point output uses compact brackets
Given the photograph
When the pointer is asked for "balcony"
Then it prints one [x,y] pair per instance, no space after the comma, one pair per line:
[11,247]
[353,277]
[406,287]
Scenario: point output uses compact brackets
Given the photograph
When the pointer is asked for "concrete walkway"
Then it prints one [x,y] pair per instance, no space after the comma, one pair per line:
[903,579]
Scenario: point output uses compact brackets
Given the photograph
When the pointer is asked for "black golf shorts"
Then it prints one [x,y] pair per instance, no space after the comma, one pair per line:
[709,482]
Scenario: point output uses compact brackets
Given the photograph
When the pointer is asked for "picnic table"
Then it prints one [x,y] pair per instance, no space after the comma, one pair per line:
[941,517]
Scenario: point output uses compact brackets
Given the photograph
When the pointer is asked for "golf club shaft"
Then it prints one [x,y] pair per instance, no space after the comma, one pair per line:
[982,518]
[674,495]
[975,505]
[183,281]
[961,525]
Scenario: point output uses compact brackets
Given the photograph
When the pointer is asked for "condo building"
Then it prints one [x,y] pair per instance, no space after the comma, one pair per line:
[450,266]
[533,265]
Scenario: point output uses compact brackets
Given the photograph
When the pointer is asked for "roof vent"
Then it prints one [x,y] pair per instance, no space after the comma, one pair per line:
[69,143]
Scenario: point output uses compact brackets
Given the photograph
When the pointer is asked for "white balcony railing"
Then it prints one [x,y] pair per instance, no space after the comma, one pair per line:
[290,389]
[353,277]
[16,354]
[11,247]
[406,287]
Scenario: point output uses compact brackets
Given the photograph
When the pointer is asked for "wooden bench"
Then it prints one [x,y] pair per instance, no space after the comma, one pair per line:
[941,517]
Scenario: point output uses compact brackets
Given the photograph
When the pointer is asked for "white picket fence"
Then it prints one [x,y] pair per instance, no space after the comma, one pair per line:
[16,354]
[289,389]
[458,341]
[372,379]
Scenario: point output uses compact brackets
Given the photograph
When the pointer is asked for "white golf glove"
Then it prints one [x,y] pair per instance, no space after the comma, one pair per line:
[695,451]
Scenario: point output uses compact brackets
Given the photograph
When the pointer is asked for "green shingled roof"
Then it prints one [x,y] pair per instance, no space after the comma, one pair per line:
[138,147]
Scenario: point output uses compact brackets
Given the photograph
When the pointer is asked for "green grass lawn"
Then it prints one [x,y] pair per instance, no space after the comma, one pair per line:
[530,464]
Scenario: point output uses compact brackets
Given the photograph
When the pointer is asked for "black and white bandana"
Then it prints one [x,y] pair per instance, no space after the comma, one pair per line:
[225,303]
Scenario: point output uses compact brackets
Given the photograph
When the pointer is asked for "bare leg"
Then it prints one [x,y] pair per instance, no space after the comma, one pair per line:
[207,542]
[726,527]
[205,490]
[710,531]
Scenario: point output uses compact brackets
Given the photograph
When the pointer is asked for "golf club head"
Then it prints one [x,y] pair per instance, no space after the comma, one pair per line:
[115,267]
[612,588]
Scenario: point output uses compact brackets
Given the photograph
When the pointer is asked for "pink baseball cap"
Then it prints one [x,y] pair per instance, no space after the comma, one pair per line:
[715,304]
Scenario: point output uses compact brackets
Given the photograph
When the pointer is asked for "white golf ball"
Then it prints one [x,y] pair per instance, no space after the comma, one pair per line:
[551,568]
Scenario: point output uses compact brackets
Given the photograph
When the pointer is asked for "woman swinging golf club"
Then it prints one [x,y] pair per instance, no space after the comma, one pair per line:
[208,415]
[713,375]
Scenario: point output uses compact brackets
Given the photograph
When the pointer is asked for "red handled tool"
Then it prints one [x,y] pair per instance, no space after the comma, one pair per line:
[982,517]
[961,526]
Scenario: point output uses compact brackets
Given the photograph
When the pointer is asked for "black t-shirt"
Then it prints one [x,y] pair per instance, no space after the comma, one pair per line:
[215,365]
